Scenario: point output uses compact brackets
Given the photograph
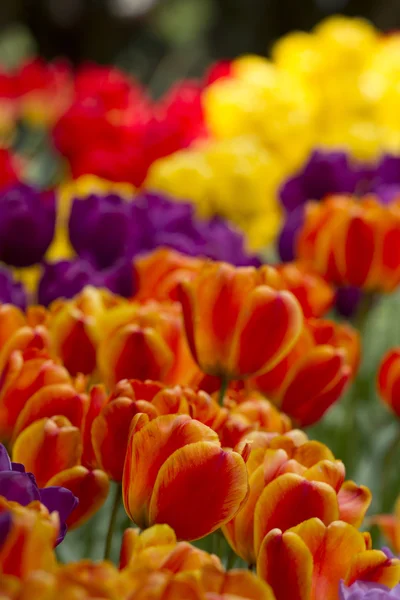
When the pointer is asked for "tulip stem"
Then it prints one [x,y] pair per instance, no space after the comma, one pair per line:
[222,389]
[113,520]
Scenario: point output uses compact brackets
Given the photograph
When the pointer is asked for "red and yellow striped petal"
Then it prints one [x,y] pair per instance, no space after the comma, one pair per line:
[148,448]
[198,488]
[47,447]
[289,500]
[90,487]
[286,564]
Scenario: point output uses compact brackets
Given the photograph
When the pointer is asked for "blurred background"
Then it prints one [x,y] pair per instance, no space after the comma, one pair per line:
[160,41]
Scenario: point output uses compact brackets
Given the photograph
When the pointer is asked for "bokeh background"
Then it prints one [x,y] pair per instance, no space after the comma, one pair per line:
[160,41]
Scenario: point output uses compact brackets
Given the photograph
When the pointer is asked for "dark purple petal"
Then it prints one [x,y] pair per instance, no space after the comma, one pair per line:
[325,173]
[61,500]
[18,467]
[11,291]
[348,300]
[65,279]
[5,526]
[100,228]
[18,487]
[27,222]
[388,170]
[287,237]
[5,462]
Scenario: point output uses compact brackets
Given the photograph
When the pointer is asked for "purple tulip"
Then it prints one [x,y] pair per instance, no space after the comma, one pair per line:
[18,486]
[27,222]
[104,229]
[11,291]
[366,590]
[65,279]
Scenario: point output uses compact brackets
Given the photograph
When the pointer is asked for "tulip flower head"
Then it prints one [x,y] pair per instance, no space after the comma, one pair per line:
[171,464]
[235,326]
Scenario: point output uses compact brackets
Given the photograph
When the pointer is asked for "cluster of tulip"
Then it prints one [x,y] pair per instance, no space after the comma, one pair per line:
[179,420]
[147,353]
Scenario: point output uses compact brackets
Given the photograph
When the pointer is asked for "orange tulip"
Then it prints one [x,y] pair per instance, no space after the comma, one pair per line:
[51,400]
[48,446]
[11,319]
[307,562]
[144,342]
[159,274]
[74,327]
[353,241]
[111,428]
[25,374]
[314,374]
[235,325]
[389,525]
[24,339]
[29,538]
[249,411]
[314,294]
[90,487]
[157,548]
[388,381]
[171,464]
[290,481]
[97,400]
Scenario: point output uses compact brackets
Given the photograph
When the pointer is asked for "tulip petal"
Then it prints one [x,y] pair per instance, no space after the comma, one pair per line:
[198,488]
[354,502]
[50,401]
[90,487]
[289,500]
[47,447]
[331,549]
[148,448]
[285,563]
[374,565]
[269,325]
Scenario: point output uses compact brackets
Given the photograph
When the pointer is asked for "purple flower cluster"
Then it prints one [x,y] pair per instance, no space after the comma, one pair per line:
[21,487]
[108,232]
[104,229]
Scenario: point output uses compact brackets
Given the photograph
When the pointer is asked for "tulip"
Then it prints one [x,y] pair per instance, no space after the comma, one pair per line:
[171,464]
[48,446]
[282,469]
[18,486]
[144,342]
[27,538]
[314,374]
[24,375]
[389,379]
[27,224]
[159,274]
[226,310]
[307,562]
[97,400]
[313,293]
[389,525]
[51,400]
[353,242]
[90,487]
[157,548]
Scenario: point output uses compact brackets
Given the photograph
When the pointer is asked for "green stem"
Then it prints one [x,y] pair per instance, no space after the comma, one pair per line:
[230,563]
[113,520]
[387,462]
[222,390]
